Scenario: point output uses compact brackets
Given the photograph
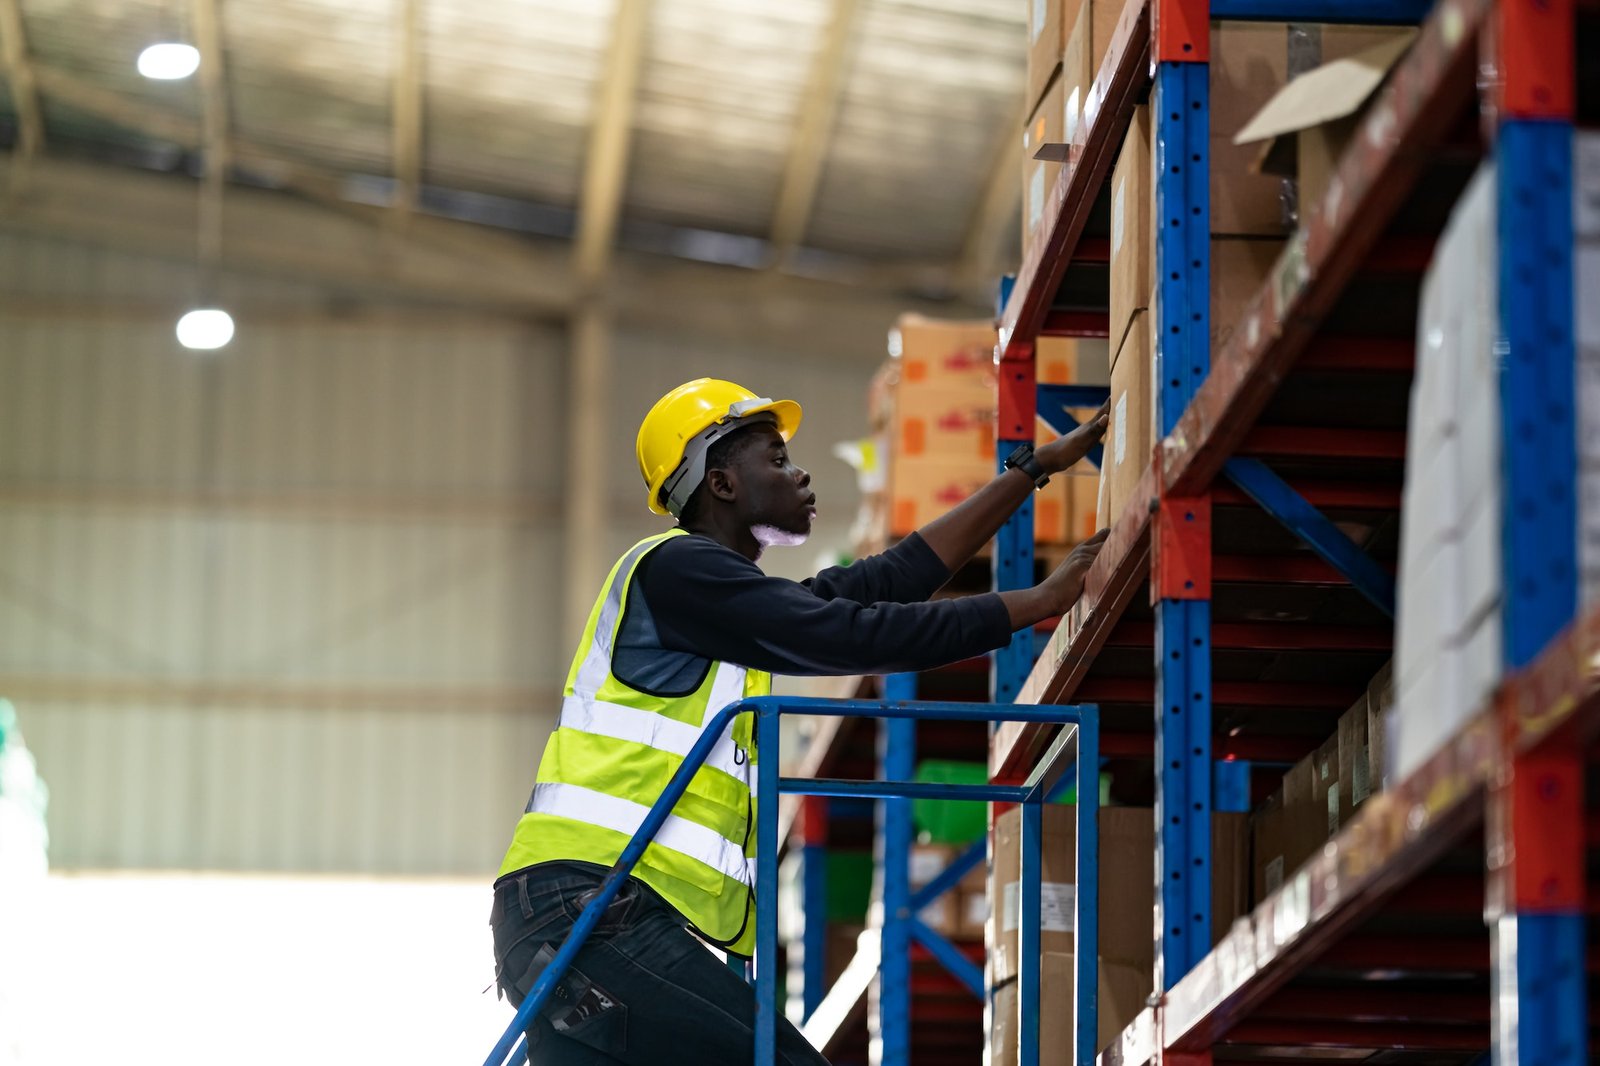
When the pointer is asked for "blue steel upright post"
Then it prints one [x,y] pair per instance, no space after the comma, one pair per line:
[1180,586]
[890,1018]
[1536,891]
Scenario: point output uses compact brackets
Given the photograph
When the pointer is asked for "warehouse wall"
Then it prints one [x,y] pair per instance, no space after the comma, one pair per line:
[294,605]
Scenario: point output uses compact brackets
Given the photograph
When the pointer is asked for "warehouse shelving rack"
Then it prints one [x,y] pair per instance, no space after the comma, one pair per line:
[1254,639]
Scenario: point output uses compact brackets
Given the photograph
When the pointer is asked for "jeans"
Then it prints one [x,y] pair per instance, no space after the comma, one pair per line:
[643,990]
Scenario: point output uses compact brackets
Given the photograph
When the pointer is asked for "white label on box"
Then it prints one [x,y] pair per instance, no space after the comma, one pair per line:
[1333,809]
[977,909]
[1119,430]
[1275,874]
[1037,10]
[1057,900]
[1361,776]
[1057,906]
[1118,202]
[1070,123]
[925,866]
[1035,197]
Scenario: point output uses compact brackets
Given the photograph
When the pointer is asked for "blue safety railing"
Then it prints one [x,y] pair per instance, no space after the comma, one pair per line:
[1081,744]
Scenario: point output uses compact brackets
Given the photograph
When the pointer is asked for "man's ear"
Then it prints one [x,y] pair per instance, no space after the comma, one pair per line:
[722,484]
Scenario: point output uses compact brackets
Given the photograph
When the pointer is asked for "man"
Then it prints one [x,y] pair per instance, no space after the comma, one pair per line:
[685,625]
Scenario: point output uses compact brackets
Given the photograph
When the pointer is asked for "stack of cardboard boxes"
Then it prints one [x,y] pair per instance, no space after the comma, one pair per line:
[1322,791]
[933,407]
[1127,900]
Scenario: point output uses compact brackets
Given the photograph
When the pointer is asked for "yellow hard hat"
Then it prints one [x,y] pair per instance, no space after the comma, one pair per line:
[674,436]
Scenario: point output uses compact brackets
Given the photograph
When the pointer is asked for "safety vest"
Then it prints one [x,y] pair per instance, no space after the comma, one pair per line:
[611,757]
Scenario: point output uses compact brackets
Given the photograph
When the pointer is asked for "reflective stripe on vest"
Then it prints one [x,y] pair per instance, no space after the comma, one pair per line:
[625,816]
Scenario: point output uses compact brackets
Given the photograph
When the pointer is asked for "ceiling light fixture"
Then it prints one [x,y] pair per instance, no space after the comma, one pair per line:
[169,62]
[206,329]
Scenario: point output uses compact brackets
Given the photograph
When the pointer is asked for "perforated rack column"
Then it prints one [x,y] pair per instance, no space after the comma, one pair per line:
[1180,586]
[1536,887]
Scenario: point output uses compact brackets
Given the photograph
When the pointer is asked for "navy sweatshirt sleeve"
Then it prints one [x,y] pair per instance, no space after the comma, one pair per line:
[909,572]
[709,600]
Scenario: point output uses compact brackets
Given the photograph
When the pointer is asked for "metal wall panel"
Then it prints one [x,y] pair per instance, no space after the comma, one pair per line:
[296,605]
[285,606]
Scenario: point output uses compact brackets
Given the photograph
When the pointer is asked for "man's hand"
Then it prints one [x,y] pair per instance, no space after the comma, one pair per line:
[1063,452]
[1056,594]
[1065,584]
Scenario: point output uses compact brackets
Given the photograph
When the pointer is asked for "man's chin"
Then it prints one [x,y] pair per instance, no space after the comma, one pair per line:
[774,537]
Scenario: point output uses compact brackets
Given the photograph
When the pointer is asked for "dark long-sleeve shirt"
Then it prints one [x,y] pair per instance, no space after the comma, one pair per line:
[706,602]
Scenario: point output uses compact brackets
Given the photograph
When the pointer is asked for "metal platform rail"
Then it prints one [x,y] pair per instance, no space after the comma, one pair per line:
[1078,746]
[1514,62]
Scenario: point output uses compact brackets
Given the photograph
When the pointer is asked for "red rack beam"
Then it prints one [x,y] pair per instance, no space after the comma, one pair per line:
[1227,693]
[1263,636]
[1225,748]
[1376,1037]
[1412,115]
[1076,324]
[1324,494]
[1274,570]
[1375,1005]
[1349,354]
[1123,74]
[1317,443]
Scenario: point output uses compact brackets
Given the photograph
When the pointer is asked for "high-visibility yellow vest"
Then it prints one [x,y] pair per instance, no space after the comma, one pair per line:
[611,757]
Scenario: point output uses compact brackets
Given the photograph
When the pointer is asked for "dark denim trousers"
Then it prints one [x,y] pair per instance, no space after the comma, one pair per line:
[643,990]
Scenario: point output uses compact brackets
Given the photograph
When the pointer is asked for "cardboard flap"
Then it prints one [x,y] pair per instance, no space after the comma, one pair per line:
[1053,153]
[1332,91]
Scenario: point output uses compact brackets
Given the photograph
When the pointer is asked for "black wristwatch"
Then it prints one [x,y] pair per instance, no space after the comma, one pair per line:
[1022,459]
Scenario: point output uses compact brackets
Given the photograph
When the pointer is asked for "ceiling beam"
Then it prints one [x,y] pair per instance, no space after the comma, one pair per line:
[439,263]
[607,164]
[803,173]
[407,108]
[213,127]
[997,206]
[20,74]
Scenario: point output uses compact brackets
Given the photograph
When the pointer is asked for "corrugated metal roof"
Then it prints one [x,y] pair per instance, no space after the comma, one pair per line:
[510,92]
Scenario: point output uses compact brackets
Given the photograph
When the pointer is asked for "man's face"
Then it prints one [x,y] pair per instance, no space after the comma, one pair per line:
[775,497]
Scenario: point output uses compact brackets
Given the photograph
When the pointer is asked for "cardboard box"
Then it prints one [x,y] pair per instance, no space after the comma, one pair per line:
[1323,817]
[1380,697]
[945,420]
[1230,871]
[1127,876]
[1292,825]
[1049,22]
[1122,995]
[1088,40]
[1129,440]
[943,914]
[1127,884]
[1072,361]
[931,350]
[1303,130]
[1039,176]
[1355,758]
[1240,267]
[1132,240]
[1083,490]
[1249,63]
[972,909]
[1268,825]
[923,487]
